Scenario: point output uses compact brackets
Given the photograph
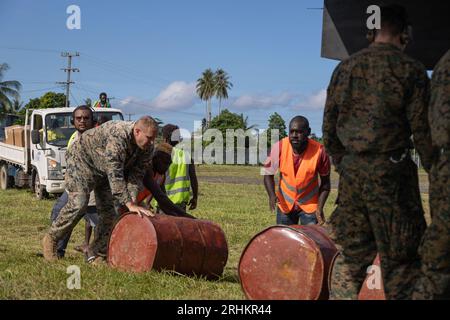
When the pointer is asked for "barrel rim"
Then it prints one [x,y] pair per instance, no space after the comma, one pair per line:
[118,220]
[299,230]
[330,272]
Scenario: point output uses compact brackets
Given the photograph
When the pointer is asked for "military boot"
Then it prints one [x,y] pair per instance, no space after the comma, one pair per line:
[49,248]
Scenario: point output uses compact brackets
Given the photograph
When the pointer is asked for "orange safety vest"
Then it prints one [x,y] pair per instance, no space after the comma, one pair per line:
[301,188]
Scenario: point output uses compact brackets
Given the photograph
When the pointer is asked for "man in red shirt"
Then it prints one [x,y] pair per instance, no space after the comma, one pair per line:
[300,160]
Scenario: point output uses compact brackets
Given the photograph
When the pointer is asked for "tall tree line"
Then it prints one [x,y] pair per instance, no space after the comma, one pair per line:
[213,84]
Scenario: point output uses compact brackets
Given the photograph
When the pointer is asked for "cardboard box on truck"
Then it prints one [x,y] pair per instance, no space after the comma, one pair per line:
[15,135]
[9,137]
[19,137]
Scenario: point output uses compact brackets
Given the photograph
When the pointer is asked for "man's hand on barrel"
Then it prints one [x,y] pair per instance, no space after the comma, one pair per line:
[139,210]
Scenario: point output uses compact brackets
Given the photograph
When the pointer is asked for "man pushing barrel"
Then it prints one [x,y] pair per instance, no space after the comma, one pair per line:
[111,160]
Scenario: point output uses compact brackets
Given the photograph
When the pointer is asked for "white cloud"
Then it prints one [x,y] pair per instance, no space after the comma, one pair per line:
[314,101]
[134,105]
[249,102]
[179,95]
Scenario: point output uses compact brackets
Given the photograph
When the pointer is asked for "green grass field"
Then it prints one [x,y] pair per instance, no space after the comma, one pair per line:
[240,209]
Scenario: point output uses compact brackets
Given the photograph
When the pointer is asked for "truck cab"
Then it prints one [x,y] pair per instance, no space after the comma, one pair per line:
[41,162]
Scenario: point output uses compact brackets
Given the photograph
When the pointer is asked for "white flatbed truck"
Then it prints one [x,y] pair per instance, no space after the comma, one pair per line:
[41,163]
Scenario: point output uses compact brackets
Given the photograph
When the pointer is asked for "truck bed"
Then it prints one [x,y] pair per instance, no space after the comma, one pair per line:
[12,154]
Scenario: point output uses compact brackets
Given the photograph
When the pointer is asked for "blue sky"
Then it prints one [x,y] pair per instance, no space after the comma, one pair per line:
[149,54]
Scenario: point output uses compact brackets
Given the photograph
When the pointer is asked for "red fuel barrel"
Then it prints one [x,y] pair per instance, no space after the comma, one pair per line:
[188,246]
[287,263]
[373,288]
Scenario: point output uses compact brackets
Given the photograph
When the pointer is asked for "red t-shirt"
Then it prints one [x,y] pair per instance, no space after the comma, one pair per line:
[272,163]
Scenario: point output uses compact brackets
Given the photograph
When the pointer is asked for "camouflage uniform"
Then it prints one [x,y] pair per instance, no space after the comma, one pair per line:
[376,100]
[434,281]
[107,160]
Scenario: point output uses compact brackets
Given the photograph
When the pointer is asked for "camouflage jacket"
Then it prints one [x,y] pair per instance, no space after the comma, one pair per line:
[110,151]
[376,100]
[439,113]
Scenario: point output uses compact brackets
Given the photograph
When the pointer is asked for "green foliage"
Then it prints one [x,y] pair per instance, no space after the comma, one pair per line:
[316,138]
[206,89]
[205,85]
[48,100]
[32,104]
[277,122]
[213,84]
[52,100]
[88,102]
[9,91]
[229,120]
[222,85]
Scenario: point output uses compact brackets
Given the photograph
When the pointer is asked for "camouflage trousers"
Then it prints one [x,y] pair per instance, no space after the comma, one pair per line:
[379,209]
[80,181]
[434,280]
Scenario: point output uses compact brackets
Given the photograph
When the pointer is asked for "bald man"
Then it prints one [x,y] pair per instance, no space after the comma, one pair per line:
[111,160]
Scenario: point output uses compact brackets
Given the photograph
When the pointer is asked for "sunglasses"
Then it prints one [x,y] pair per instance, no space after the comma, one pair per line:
[82,118]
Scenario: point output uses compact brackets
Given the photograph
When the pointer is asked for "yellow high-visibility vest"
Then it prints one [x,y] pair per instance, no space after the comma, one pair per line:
[178,183]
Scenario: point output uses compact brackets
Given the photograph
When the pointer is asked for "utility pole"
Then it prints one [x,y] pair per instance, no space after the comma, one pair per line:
[129,115]
[69,69]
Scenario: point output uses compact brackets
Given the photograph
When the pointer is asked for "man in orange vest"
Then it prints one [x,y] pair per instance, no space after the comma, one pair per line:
[300,160]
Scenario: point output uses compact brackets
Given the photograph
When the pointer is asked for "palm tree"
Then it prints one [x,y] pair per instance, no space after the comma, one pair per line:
[245,123]
[8,90]
[223,84]
[206,90]
[16,105]
[88,102]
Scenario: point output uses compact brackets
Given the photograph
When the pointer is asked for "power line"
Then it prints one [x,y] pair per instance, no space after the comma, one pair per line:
[123,74]
[36,82]
[77,93]
[29,49]
[83,87]
[100,63]
[76,101]
[43,89]
[80,88]
[122,68]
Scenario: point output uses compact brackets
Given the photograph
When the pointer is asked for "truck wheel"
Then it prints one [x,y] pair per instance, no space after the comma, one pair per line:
[39,190]
[4,179]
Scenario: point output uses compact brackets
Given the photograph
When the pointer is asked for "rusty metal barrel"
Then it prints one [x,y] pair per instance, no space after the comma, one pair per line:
[187,246]
[287,263]
[373,288]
